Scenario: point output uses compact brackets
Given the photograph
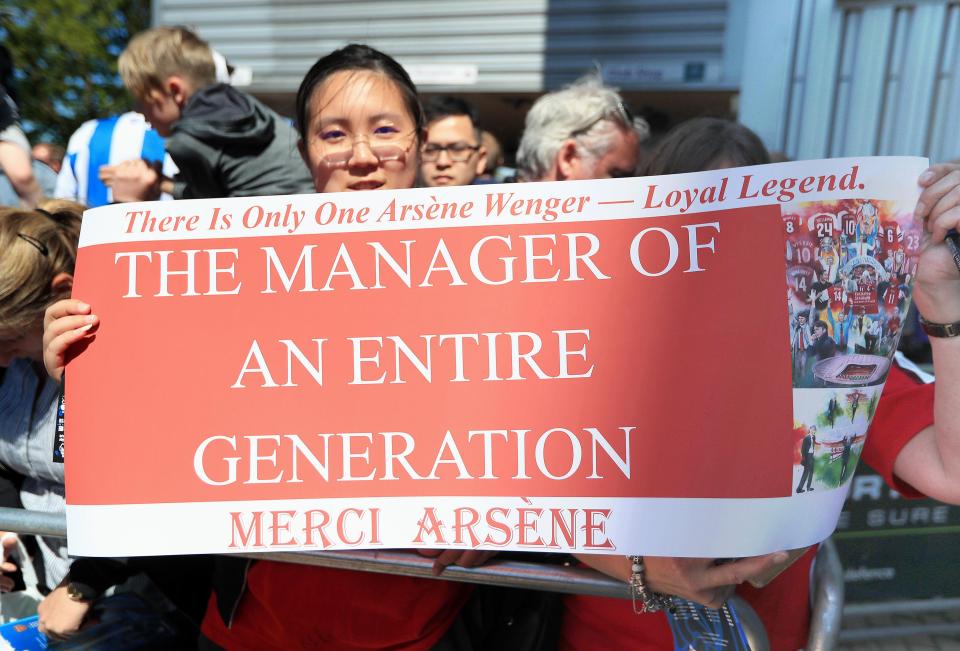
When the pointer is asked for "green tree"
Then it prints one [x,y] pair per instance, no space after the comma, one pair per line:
[65,54]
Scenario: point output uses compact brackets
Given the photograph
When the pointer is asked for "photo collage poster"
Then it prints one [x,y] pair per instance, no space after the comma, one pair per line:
[850,268]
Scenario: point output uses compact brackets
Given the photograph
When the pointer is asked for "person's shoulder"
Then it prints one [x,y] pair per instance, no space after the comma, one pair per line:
[219,95]
[181,146]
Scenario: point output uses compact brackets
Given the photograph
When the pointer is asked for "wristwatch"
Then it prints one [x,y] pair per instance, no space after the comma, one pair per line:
[940,329]
[78,591]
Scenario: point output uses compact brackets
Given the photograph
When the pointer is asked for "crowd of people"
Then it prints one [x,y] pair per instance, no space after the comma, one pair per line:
[360,125]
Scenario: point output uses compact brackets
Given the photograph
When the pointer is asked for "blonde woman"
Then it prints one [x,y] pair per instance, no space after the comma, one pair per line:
[37,253]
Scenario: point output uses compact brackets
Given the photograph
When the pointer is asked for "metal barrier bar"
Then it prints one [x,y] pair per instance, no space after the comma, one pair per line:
[828,592]
[534,576]
[38,522]
[753,628]
[509,573]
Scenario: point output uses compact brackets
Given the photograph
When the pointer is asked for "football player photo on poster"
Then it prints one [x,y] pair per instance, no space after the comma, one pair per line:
[849,267]
[830,429]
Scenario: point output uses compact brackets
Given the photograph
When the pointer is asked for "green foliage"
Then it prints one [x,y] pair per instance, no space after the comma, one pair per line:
[823,418]
[827,471]
[65,53]
[872,405]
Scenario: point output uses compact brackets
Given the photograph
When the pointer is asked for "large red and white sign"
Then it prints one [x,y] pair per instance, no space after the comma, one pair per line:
[603,366]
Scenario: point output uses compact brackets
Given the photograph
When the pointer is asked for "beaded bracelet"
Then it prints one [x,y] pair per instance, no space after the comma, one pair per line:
[650,601]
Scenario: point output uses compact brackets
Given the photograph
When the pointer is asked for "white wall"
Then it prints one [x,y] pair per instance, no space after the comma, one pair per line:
[846,78]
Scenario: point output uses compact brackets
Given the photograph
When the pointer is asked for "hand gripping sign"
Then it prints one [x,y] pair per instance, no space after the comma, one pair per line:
[682,365]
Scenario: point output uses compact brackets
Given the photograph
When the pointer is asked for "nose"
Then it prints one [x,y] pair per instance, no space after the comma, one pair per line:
[443,158]
[363,155]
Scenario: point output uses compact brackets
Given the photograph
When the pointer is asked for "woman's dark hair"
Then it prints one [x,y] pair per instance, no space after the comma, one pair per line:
[357,57]
[702,144]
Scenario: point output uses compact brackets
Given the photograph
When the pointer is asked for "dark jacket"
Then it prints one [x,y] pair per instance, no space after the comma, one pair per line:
[822,348]
[227,144]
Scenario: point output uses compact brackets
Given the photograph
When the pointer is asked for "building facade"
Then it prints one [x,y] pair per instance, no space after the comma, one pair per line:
[814,78]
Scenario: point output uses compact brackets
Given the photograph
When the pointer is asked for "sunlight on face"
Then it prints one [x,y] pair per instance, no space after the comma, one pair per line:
[620,160]
[160,110]
[360,134]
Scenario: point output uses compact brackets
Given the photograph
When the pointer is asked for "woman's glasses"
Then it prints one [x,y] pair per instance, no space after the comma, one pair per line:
[384,148]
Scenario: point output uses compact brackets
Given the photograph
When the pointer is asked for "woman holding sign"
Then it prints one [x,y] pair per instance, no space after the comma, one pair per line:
[361,126]
[360,129]
[914,442]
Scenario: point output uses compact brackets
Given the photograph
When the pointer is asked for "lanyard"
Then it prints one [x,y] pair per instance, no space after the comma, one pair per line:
[698,628]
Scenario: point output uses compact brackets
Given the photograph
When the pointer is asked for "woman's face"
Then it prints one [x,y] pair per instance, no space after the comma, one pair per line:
[360,135]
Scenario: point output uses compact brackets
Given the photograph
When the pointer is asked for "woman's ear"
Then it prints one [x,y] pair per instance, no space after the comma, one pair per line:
[62,283]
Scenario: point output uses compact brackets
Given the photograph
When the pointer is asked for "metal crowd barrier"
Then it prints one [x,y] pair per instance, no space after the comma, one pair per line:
[827,576]
[827,596]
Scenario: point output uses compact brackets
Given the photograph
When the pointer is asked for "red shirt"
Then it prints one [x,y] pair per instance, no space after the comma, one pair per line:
[784,605]
[802,251]
[298,607]
[791,225]
[891,297]
[891,237]
[838,298]
[822,226]
[849,225]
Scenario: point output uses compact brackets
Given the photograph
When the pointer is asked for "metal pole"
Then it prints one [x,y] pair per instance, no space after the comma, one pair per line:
[37,522]
[510,573]
[828,595]
[563,578]
[753,627]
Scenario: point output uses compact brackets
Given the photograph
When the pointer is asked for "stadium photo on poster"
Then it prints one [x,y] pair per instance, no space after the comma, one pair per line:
[830,428]
[849,268]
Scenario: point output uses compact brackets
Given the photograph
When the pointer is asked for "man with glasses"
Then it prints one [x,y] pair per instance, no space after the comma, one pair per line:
[452,153]
[583,131]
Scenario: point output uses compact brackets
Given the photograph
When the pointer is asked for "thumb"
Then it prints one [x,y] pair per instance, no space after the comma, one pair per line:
[742,570]
[8,540]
